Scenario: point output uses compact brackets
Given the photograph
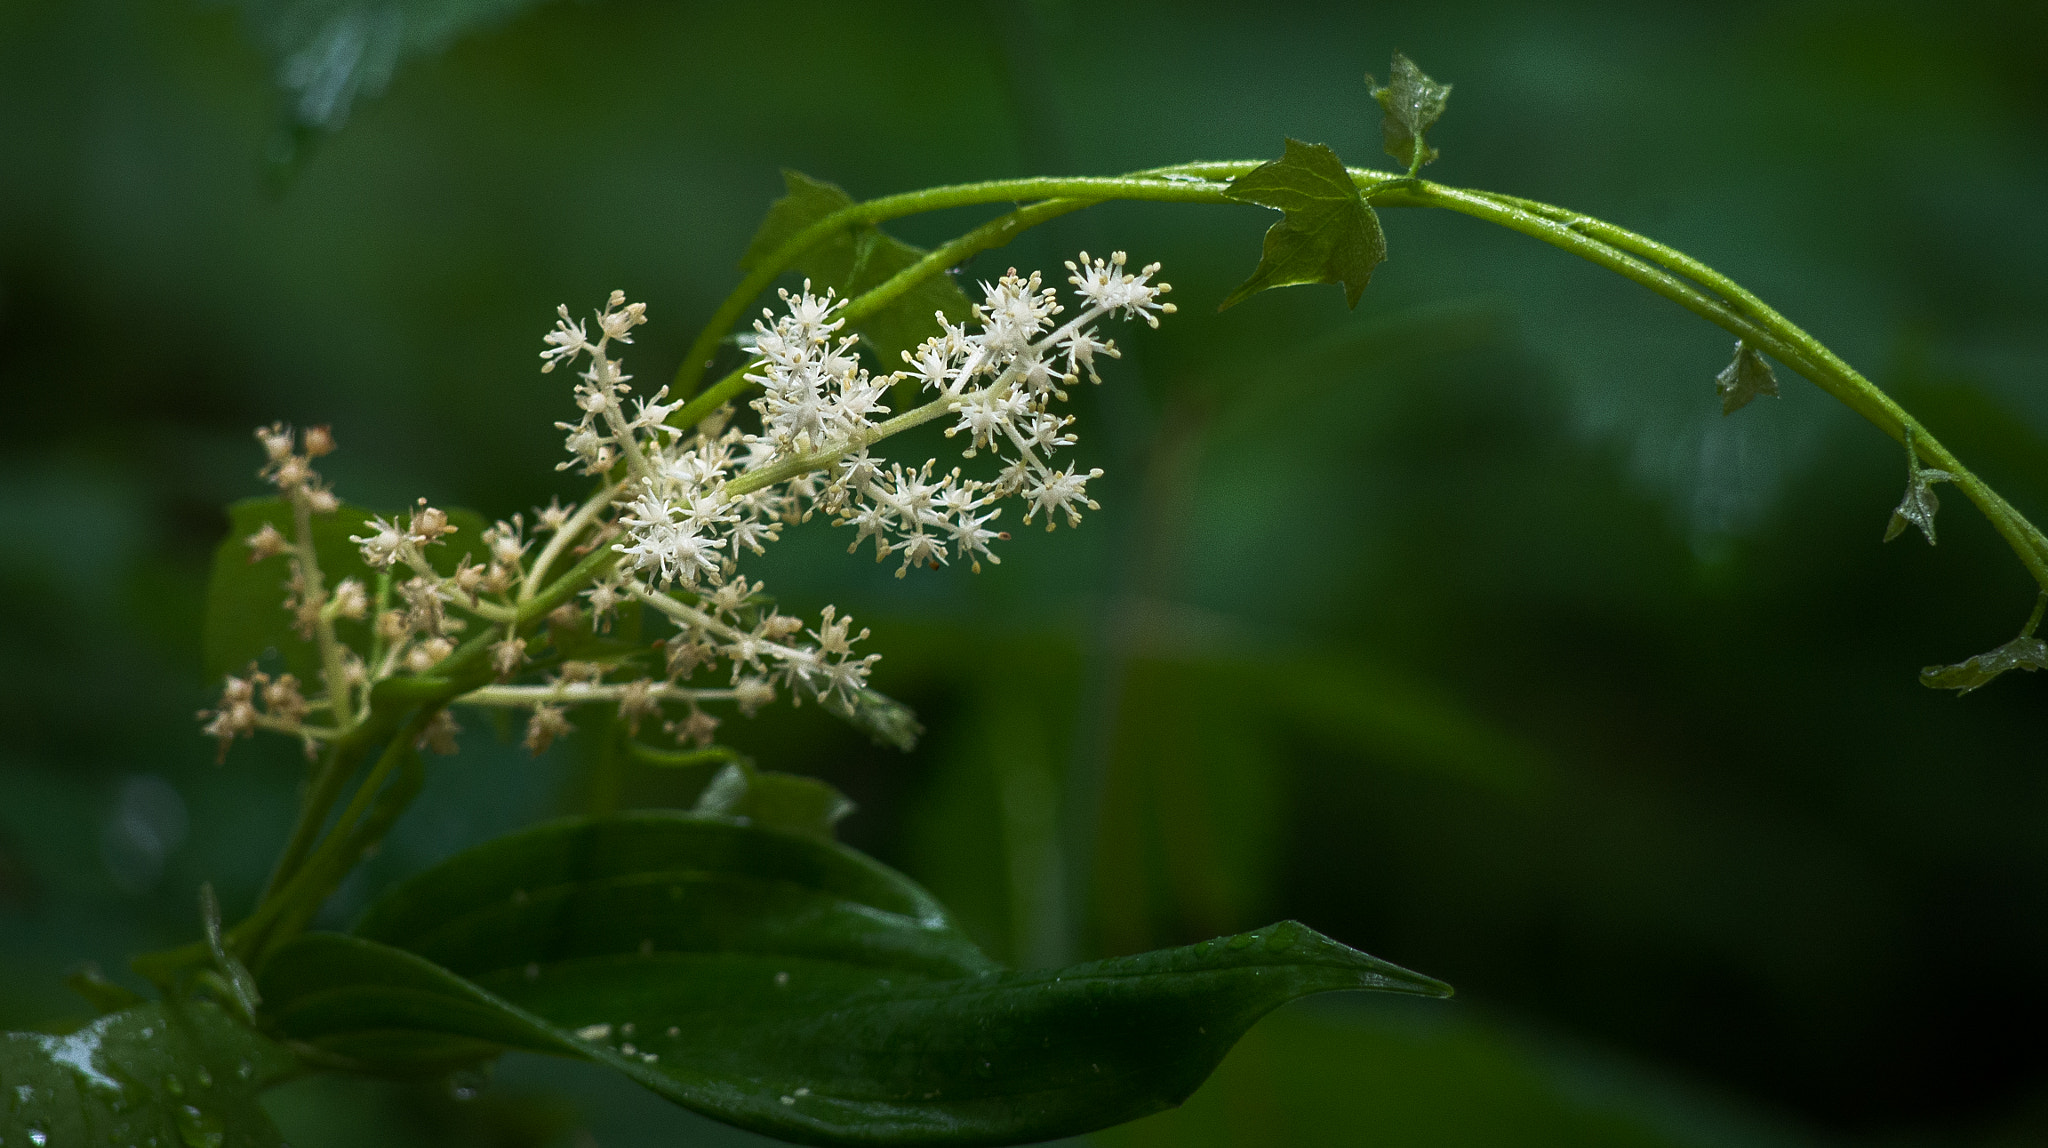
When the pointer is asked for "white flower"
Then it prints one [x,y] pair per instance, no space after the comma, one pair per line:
[565,342]
[1056,490]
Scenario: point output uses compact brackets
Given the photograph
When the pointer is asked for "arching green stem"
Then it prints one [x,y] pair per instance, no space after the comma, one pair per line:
[1669,272]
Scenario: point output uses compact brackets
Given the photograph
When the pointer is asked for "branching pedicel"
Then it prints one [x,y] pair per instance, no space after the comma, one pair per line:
[689,500]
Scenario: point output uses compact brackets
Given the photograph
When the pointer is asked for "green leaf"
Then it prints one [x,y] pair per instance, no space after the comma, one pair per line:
[1411,103]
[785,801]
[245,615]
[1973,673]
[1919,505]
[159,1073]
[1748,376]
[854,260]
[783,984]
[1328,234]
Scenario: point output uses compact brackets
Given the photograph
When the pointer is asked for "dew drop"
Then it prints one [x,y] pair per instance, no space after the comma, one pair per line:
[200,1129]
[1240,941]
[674,1031]
[789,1100]
[245,1070]
[1280,940]
[204,1077]
[803,1092]
[174,1086]
[782,980]
[37,1137]
[626,1029]
[628,1049]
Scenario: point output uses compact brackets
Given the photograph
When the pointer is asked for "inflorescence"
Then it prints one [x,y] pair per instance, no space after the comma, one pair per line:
[676,506]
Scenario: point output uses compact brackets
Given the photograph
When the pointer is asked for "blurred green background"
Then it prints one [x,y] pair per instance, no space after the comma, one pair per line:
[1461,627]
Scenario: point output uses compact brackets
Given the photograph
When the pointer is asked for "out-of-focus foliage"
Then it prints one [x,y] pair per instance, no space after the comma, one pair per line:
[1462,627]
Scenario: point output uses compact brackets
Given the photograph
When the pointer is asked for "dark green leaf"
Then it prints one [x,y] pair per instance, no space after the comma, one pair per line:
[158,1073]
[2018,654]
[245,615]
[784,984]
[853,260]
[327,55]
[1328,234]
[785,801]
[1748,376]
[1411,102]
[1919,505]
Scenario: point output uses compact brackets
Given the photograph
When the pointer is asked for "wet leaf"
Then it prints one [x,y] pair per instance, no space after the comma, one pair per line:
[158,1073]
[1328,234]
[855,260]
[1977,672]
[1411,103]
[783,984]
[1748,376]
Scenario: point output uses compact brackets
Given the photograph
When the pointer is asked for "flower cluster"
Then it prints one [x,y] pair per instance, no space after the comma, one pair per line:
[675,509]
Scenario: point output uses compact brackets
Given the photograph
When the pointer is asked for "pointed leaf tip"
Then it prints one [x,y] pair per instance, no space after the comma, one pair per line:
[1412,103]
[782,984]
[1743,379]
[1327,232]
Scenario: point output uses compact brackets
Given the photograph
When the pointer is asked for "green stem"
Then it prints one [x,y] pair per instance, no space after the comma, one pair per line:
[1662,269]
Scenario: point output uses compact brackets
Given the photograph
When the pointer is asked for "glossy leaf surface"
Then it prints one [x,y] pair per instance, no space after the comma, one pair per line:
[1328,235]
[854,260]
[157,1073]
[784,984]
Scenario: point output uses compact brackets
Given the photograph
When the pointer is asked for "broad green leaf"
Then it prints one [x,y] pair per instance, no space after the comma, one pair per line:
[785,801]
[1743,379]
[1919,505]
[1411,103]
[1328,234]
[245,614]
[327,55]
[783,984]
[158,1073]
[1973,673]
[855,260]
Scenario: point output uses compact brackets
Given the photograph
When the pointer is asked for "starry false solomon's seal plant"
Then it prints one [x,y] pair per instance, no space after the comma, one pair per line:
[734,957]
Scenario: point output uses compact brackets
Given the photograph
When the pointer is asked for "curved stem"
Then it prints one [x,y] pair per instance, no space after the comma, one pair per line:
[1668,272]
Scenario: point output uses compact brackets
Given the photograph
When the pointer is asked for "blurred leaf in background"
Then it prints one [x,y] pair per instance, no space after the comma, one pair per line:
[1462,627]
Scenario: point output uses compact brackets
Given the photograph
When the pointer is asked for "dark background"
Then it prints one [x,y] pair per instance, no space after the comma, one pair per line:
[1460,626]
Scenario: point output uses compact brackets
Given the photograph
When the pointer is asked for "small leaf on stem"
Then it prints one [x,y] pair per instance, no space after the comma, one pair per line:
[1919,505]
[1412,102]
[1974,673]
[854,260]
[1748,376]
[1328,234]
